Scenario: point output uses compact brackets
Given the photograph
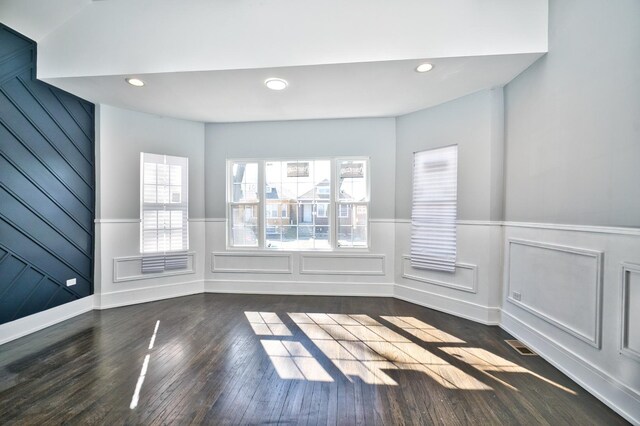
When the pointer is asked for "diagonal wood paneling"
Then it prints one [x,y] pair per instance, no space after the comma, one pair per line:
[46,187]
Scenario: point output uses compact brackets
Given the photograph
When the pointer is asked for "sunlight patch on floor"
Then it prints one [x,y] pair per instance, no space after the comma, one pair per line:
[143,371]
[267,324]
[361,347]
[487,362]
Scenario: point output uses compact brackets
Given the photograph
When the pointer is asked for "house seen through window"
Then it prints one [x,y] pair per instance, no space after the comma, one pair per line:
[298,204]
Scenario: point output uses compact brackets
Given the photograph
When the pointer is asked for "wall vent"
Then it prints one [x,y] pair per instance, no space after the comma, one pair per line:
[521,348]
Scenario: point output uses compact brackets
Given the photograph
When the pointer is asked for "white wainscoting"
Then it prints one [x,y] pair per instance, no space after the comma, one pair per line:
[342,264]
[630,311]
[251,263]
[465,277]
[128,268]
[559,284]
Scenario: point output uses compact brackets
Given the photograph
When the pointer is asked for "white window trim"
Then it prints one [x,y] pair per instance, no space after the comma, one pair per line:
[332,212]
[182,206]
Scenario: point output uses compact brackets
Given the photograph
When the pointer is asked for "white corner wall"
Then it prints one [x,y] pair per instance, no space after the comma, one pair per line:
[475,124]
[572,200]
[121,135]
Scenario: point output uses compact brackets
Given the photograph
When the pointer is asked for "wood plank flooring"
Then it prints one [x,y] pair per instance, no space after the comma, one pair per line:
[255,359]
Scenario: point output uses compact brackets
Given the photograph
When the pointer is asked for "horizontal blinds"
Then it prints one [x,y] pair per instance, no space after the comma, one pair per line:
[175,261]
[434,209]
[161,263]
[164,204]
[152,264]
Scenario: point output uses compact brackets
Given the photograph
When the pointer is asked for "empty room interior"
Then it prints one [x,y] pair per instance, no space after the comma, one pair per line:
[320,212]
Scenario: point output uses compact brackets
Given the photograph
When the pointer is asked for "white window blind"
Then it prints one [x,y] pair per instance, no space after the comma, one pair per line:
[164,203]
[434,209]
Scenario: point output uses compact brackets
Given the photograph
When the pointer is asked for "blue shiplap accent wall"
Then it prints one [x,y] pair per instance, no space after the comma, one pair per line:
[46,187]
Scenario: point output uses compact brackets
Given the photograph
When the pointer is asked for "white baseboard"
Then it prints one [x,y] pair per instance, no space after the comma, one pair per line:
[460,308]
[147,294]
[21,327]
[619,397]
[310,288]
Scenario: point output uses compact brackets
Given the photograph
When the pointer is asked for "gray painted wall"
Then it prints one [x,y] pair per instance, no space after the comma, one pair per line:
[123,135]
[372,137]
[573,120]
[475,123]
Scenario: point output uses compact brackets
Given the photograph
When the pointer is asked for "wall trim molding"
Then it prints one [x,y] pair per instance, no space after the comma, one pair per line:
[310,288]
[138,220]
[615,394]
[136,296]
[617,230]
[596,342]
[479,222]
[461,308]
[472,267]
[121,259]
[597,229]
[215,269]
[117,220]
[304,271]
[30,324]
[578,228]
[626,270]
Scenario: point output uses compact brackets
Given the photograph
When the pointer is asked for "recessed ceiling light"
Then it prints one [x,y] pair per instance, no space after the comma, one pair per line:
[276,83]
[424,67]
[135,82]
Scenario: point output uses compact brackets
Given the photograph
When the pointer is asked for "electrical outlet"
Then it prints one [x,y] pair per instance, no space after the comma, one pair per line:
[517,295]
[71,282]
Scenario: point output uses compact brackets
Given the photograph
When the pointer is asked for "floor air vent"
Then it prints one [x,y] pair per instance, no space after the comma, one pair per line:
[521,348]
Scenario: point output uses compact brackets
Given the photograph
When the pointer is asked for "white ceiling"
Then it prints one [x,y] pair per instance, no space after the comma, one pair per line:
[373,89]
[38,18]
[206,60]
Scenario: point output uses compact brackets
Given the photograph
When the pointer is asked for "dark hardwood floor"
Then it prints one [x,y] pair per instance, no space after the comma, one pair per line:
[251,359]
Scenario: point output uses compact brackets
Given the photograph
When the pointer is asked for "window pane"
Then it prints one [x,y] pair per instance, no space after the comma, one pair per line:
[150,241]
[244,225]
[149,173]
[150,219]
[244,185]
[352,177]
[163,219]
[163,240]
[175,175]
[176,236]
[273,236]
[163,194]
[301,191]
[149,195]
[177,219]
[352,229]
[175,194]
[163,174]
